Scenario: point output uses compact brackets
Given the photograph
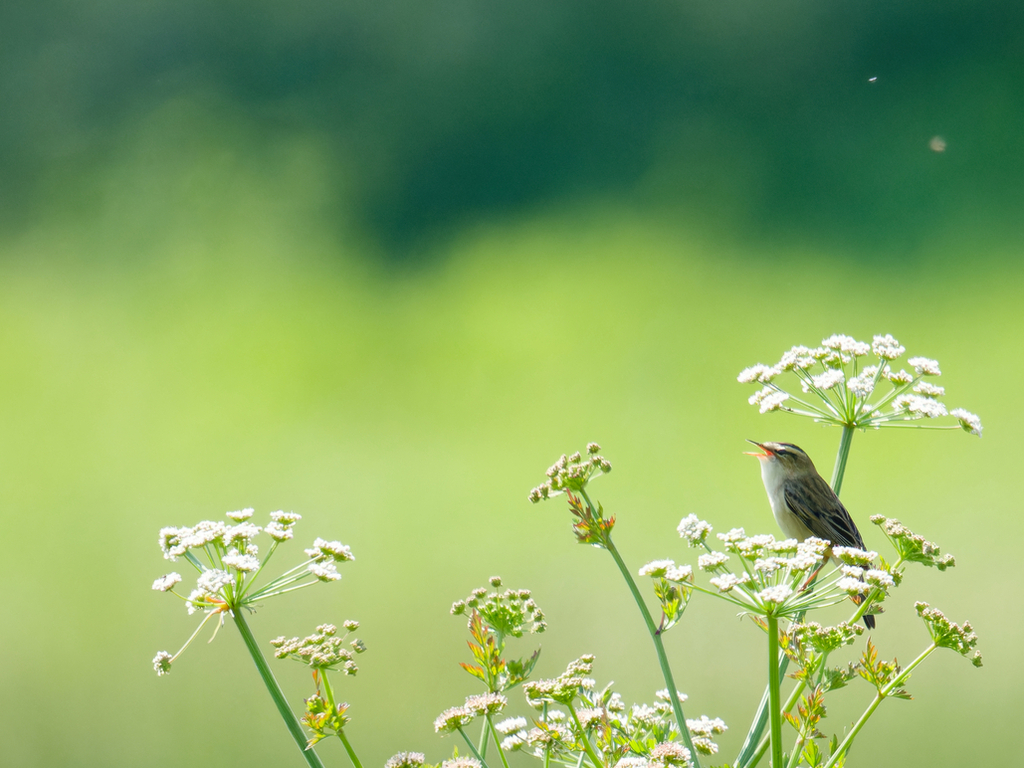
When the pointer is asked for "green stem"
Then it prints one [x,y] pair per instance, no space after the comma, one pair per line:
[750,747]
[292,723]
[473,749]
[659,647]
[587,746]
[794,696]
[774,690]
[879,698]
[841,457]
[497,744]
[483,740]
[348,748]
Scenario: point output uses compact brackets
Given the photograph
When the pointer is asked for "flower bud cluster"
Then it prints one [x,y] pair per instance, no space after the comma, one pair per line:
[324,649]
[571,473]
[822,639]
[564,688]
[509,613]
[911,546]
[948,634]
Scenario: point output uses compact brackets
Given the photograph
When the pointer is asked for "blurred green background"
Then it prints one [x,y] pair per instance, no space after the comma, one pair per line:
[382,263]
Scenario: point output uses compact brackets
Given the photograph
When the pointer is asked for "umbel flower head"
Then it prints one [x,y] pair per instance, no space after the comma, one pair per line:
[769,576]
[226,558]
[851,383]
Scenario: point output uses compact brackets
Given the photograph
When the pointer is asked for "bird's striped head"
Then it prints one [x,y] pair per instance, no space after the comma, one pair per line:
[791,457]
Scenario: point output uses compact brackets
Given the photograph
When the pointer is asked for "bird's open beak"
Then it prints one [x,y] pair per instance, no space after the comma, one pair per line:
[764,455]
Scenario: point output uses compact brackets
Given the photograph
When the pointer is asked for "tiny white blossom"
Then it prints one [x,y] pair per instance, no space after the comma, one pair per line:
[919,406]
[663,695]
[798,357]
[929,390]
[769,565]
[854,556]
[242,532]
[693,529]
[644,714]
[162,663]
[632,762]
[968,421]
[761,394]
[726,582]
[323,550]
[656,568]
[887,348]
[732,536]
[898,377]
[166,583]
[773,402]
[679,573]
[777,594]
[827,380]
[925,366]
[324,571]
[242,514]
[509,743]
[760,373]
[813,546]
[853,586]
[863,385]
[879,578]
[194,600]
[802,561]
[240,562]
[279,532]
[670,753]
[712,560]
[706,726]
[846,344]
[506,727]
[285,518]
[405,760]
[213,580]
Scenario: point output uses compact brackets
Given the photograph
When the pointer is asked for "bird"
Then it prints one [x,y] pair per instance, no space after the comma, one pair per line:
[803,503]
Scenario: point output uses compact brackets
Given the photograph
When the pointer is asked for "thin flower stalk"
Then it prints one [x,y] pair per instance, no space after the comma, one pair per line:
[570,475]
[276,694]
[775,689]
[652,630]
[880,696]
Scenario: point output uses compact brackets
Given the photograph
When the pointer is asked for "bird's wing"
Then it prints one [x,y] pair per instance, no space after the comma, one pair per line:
[820,510]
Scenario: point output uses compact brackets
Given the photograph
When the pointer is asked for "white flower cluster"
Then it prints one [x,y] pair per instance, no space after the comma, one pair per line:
[668,570]
[227,560]
[643,727]
[774,573]
[842,388]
